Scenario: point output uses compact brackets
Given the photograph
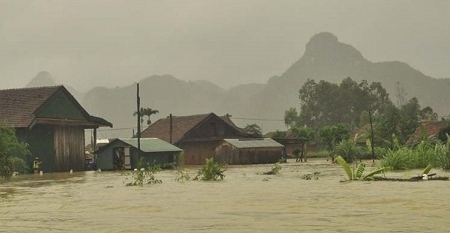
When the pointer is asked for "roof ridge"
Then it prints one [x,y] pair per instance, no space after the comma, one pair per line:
[196,115]
[28,88]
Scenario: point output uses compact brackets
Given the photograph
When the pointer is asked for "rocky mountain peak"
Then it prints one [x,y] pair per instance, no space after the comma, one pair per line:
[43,78]
[325,46]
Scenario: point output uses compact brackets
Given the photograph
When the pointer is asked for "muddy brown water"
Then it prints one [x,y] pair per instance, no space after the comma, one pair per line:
[245,201]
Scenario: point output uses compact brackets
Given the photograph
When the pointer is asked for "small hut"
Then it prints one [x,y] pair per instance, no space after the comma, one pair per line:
[123,153]
[248,151]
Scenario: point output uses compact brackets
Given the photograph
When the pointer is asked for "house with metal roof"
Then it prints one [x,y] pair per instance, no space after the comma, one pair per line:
[123,153]
[249,151]
[197,135]
[52,122]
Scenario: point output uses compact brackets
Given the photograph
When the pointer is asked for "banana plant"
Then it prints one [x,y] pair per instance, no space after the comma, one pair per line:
[358,173]
[427,169]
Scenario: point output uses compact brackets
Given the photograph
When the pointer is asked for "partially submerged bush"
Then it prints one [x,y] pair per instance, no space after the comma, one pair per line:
[274,170]
[311,176]
[212,171]
[182,175]
[142,176]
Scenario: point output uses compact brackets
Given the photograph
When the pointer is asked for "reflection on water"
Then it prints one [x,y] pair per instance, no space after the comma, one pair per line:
[243,202]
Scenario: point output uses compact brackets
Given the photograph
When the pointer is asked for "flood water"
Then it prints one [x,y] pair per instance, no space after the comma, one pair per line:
[245,201]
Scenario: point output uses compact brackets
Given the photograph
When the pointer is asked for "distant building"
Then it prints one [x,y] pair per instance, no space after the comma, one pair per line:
[430,129]
[123,153]
[249,151]
[52,123]
[197,135]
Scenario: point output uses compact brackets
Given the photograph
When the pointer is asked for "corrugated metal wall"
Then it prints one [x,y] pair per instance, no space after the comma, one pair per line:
[69,148]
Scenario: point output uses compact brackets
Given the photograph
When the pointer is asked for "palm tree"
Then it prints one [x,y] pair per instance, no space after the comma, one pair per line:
[146,112]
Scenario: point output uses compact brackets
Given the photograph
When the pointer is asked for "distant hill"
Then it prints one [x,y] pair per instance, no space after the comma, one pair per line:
[325,58]
[43,78]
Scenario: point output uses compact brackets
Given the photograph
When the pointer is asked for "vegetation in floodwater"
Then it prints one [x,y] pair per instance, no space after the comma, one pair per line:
[274,170]
[212,171]
[142,176]
[311,176]
[358,172]
[182,175]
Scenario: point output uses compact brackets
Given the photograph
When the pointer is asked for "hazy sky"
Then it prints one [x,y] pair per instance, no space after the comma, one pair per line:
[88,43]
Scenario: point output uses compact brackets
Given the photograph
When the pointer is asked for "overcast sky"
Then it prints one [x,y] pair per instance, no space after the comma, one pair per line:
[87,43]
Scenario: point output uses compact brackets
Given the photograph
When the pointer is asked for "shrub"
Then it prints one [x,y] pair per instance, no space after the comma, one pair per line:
[11,151]
[182,175]
[274,170]
[349,150]
[142,176]
[212,171]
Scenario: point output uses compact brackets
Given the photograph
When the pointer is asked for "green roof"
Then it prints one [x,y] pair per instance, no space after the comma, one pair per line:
[253,143]
[151,145]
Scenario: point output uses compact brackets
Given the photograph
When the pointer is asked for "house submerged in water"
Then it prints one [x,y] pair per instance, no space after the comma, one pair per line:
[210,136]
[123,153]
[52,122]
[197,135]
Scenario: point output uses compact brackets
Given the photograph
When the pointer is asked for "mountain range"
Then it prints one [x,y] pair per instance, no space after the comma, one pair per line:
[325,58]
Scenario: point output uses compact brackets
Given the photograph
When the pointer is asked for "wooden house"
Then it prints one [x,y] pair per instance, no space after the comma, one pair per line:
[123,153]
[52,123]
[197,135]
[249,151]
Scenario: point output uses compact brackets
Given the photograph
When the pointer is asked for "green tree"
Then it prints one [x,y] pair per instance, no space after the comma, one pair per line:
[279,134]
[306,135]
[325,103]
[291,118]
[427,114]
[401,122]
[253,129]
[11,151]
[332,135]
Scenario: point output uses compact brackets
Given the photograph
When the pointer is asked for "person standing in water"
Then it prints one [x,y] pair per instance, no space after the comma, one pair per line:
[37,165]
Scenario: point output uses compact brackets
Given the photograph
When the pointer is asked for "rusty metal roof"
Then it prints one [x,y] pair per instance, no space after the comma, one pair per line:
[254,143]
[180,126]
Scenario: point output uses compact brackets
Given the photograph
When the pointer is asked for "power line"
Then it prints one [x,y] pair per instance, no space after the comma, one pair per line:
[115,129]
[256,119]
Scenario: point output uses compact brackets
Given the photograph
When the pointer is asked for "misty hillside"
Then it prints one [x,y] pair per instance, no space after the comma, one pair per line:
[325,58]
[44,78]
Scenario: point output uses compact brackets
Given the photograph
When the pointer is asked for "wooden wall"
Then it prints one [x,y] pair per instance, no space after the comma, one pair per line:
[69,148]
[41,144]
[228,154]
[196,153]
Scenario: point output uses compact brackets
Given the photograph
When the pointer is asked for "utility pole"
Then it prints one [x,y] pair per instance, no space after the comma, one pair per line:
[371,135]
[138,101]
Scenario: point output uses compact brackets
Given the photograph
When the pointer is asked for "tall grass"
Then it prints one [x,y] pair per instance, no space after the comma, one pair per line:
[419,156]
